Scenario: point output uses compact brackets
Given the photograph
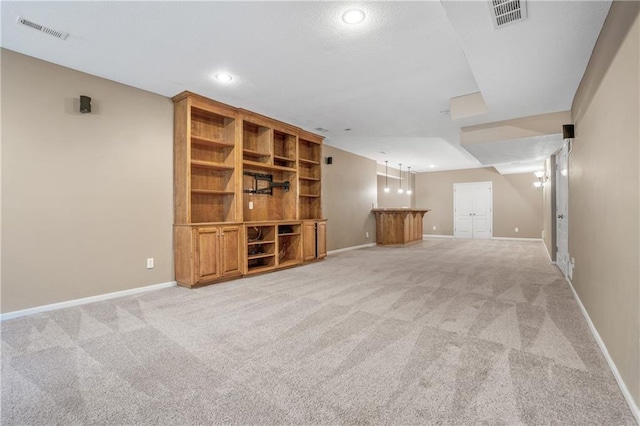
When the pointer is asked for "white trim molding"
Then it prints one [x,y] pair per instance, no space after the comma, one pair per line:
[342,250]
[84,301]
[427,236]
[623,387]
[516,239]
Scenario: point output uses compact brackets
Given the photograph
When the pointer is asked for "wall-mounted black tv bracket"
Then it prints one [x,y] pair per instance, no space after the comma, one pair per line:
[259,188]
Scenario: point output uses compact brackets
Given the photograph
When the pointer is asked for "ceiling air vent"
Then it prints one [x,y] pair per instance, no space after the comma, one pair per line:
[50,31]
[507,12]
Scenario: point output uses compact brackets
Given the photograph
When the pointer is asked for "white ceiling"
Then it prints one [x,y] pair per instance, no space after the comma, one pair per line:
[388,80]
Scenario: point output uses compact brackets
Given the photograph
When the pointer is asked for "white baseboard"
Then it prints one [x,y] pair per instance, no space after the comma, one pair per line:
[516,239]
[427,236]
[84,301]
[623,387]
[342,250]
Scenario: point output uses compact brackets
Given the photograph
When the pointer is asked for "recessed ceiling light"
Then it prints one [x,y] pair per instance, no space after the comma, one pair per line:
[223,77]
[353,16]
[431,166]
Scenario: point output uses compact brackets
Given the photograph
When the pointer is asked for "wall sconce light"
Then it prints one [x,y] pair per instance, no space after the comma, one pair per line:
[386,176]
[542,178]
[400,191]
[409,191]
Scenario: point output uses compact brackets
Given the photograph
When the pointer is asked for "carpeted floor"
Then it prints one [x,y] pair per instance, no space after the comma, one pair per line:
[443,332]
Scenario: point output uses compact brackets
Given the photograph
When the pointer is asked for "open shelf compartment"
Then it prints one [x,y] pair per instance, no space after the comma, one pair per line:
[257,146]
[261,248]
[211,129]
[289,244]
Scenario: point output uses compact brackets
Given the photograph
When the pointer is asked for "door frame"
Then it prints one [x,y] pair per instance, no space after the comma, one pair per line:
[490,185]
[562,190]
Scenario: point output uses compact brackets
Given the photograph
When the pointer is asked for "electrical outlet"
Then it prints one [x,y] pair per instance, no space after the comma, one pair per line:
[150,263]
[516,229]
[367,234]
[250,205]
[434,227]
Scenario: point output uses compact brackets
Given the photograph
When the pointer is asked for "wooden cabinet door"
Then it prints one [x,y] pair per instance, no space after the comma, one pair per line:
[321,236]
[208,266]
[308,241]
[230,250]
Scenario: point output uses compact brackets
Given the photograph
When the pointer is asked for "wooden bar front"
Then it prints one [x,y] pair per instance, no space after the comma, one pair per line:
[398,226]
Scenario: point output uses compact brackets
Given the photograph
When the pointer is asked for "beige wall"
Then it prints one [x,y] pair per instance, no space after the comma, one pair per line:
[516,202]
[348,194]
[86,198]
[392,198]
[604,190]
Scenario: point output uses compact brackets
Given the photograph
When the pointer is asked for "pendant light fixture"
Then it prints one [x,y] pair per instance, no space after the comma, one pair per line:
[409,191]
[400,191]
[386,176]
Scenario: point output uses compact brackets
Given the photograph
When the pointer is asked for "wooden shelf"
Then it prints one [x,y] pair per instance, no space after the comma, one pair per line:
[199,140]
[258,269]
[255,154]
[260,256]
[210,165]
[304,160]
[214,146]
[263,166]
[289,263]
[212,192]
[253,243]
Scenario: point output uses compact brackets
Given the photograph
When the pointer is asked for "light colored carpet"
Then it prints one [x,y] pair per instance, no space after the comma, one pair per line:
[443,332]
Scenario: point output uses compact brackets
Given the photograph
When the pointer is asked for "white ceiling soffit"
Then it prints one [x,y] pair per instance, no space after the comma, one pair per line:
[516,150]
[389,80]
[425,154]
[533,66]
[469,105]
[535,125]
[525,167]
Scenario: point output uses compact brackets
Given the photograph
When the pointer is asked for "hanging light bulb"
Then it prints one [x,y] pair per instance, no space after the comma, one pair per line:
[400,191]
[386,176]
[409,191]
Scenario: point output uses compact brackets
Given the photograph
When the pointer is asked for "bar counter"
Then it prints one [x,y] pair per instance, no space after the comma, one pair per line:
[398,225]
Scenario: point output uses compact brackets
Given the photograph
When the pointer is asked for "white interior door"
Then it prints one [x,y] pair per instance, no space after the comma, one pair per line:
[562,210]
[463,210]
[472,208]
[482,210]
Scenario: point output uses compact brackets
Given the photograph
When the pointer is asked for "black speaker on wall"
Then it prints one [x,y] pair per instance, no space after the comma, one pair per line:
[85,104]
[567,131]
[329,160]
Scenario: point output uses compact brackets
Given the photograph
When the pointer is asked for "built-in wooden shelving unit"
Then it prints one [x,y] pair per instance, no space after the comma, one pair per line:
[247,192]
